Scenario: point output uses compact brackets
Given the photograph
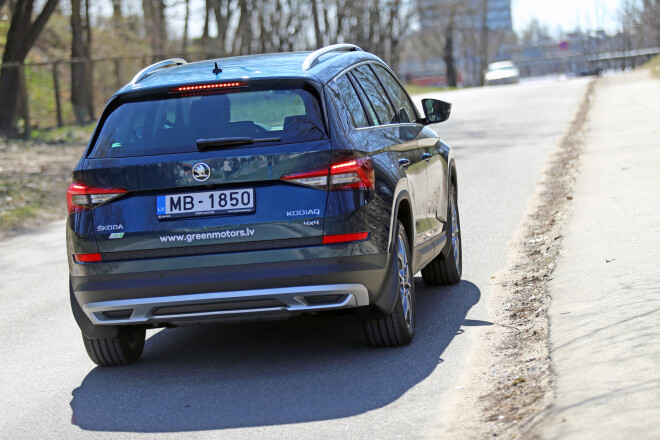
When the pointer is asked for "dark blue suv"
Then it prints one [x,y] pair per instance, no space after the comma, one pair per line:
[259,186]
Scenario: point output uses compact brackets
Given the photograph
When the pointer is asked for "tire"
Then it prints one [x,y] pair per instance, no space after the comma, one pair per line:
[124,349]
[398,327]
[447,270]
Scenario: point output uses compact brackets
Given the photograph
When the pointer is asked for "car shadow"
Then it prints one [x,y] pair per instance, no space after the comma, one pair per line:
[221,376]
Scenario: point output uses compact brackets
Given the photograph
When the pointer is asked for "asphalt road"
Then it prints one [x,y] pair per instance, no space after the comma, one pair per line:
[303,378]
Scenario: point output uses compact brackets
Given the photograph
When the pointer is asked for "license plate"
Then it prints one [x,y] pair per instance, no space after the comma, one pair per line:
[230,201]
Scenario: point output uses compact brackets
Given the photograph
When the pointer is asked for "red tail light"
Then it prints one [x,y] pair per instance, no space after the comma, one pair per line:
[81,197]
[348,174]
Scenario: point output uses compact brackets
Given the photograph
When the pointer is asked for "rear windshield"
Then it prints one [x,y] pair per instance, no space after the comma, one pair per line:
[174,125]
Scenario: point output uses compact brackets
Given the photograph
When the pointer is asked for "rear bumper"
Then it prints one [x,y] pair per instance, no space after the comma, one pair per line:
[216,305]
[246,290]
[500,81]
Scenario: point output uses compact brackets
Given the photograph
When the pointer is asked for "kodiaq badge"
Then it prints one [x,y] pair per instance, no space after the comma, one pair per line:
[201,172]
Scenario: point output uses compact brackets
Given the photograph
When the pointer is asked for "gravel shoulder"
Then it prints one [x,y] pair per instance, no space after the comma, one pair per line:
[605,308]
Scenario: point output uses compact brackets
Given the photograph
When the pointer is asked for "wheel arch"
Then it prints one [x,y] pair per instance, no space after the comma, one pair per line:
[403,212]
[453,179]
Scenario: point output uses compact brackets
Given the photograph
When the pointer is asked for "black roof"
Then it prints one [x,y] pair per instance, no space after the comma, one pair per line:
[287,65]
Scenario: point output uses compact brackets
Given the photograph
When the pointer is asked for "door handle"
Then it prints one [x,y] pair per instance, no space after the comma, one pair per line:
[403,163]
[426,156]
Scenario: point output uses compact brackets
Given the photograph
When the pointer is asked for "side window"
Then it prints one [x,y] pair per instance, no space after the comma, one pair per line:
[352,102]
[366,103]
[372,88]
[403,105]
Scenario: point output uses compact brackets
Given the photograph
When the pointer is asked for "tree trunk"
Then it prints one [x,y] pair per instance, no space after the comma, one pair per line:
[483,50]
[116,13]
[223,11]
[317,25]
[241,44]
[184,39]
[448,53]
[155,26]
[22,35]
[89,64]
[79,81]
[205,32]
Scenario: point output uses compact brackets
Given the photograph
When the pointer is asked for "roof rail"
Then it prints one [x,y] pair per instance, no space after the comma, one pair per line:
[142,74]
[313,58]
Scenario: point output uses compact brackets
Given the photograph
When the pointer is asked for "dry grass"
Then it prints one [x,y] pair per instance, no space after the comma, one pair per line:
[523,391]
[34,177]
[510,385]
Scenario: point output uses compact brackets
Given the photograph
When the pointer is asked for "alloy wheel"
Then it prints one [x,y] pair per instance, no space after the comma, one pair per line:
[404,281]
[455,236]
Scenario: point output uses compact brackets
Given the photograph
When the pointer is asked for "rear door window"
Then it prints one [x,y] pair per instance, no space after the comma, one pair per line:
[405,110]
[376,94]
[174,125]
[351,102]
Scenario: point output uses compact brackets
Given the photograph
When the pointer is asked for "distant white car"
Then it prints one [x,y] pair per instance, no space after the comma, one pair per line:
[501,72]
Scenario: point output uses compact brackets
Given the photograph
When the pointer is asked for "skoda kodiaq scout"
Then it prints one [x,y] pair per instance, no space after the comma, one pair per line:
[259,186]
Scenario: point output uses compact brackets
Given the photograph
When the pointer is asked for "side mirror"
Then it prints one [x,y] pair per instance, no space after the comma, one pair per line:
[435,110]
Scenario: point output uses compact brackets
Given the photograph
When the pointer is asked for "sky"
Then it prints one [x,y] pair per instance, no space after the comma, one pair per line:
[567,14]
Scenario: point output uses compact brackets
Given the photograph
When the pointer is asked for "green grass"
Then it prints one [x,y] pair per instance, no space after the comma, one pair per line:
[421,90]
[69,134]
[15,218]
[654,65]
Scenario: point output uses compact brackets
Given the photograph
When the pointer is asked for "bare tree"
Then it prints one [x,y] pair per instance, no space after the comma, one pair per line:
[81,68]
[448,51]
[319,41]
[155,25]
[484,37]
[242,42]
[650,20]
[116,12]
[22,34]
[223,10]
[184,37]
[451,20]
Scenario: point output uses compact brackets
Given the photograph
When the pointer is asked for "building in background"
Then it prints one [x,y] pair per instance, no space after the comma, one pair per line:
[499,15]
[434,12]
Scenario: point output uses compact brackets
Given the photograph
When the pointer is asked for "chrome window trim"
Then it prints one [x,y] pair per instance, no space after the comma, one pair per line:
[402,124]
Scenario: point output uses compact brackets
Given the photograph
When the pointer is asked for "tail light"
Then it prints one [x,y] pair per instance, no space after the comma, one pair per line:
[344,175]
[81,197]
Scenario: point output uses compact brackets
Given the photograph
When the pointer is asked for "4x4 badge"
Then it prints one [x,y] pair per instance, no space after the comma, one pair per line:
[201,172]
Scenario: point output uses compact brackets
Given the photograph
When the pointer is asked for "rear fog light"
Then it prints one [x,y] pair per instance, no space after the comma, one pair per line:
[87,258]
[345,238]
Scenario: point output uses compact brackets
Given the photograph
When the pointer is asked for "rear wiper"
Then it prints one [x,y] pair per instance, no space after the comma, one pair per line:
[208,144]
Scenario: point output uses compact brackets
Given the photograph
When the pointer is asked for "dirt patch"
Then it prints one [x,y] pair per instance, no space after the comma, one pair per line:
[34,177]
[510,384]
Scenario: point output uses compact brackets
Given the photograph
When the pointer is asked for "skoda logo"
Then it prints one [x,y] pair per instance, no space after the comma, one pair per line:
[201,172]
